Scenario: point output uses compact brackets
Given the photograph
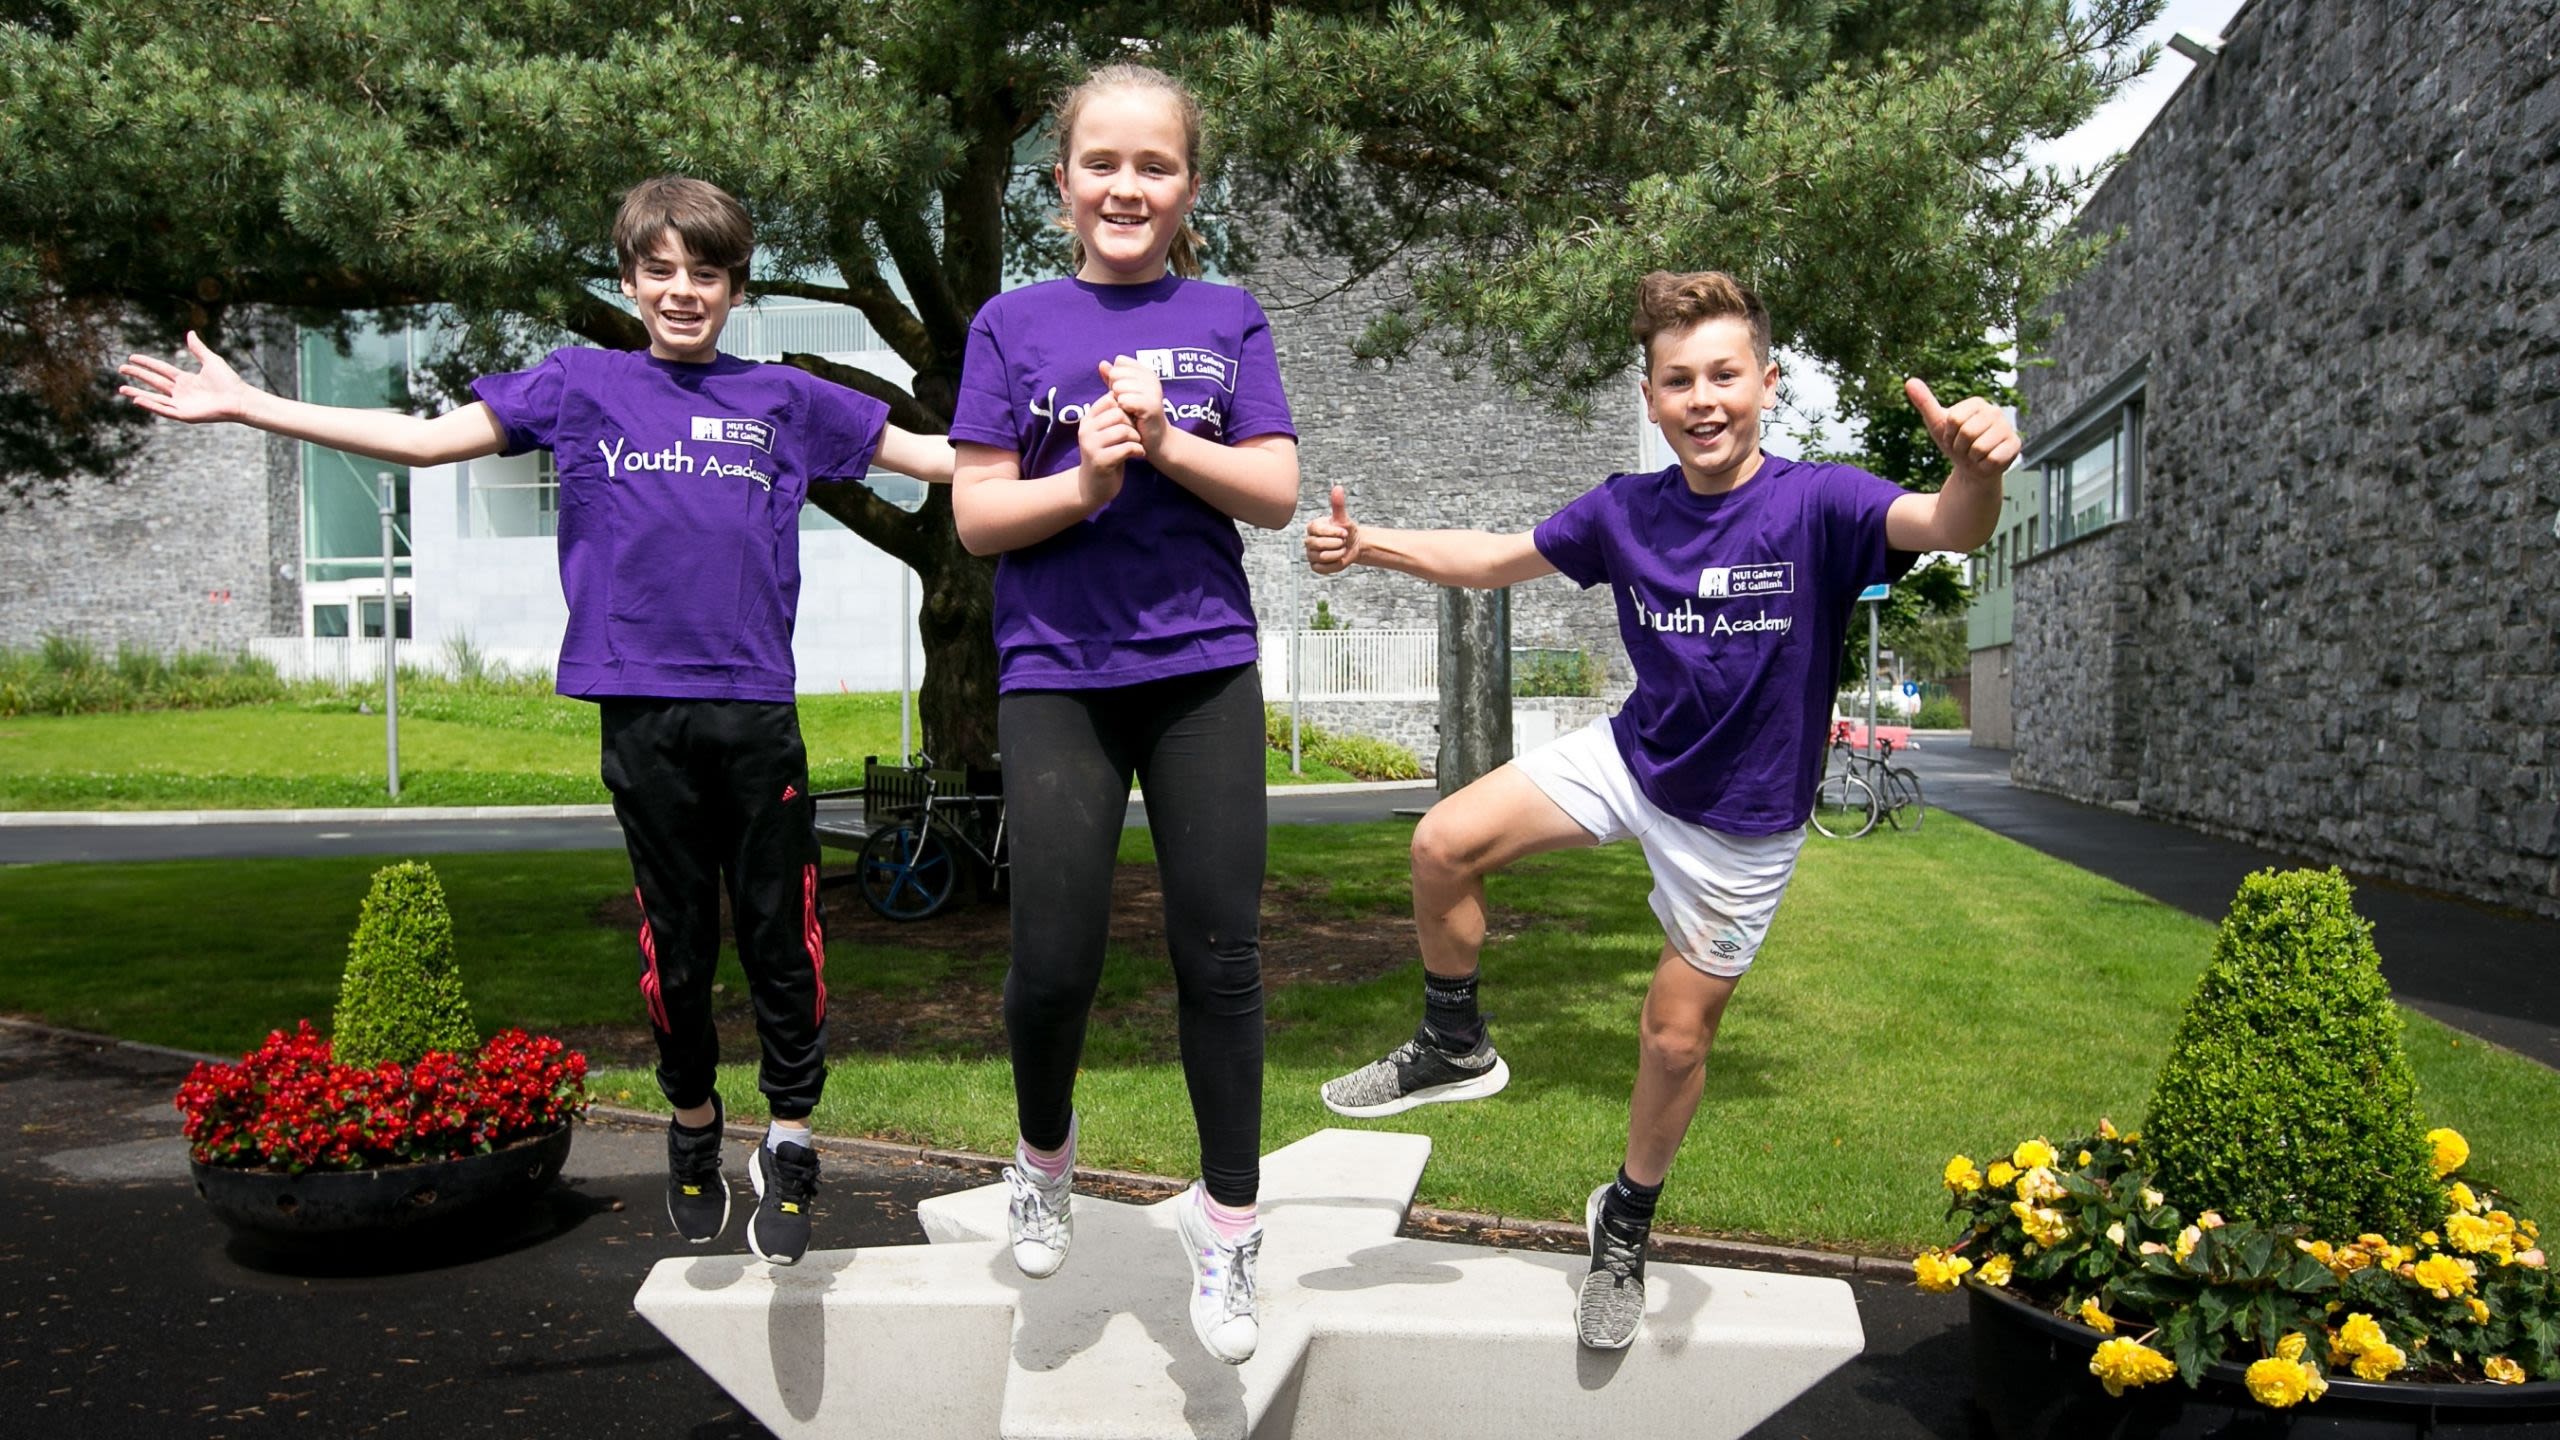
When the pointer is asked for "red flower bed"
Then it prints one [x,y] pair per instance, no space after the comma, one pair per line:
[288,1106]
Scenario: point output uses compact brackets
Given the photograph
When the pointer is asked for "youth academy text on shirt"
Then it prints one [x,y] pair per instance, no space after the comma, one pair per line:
[1724,582]
[674,459]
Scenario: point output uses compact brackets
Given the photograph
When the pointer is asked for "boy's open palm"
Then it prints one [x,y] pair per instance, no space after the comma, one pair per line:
[1333,543]
[1973,434]
[212,391]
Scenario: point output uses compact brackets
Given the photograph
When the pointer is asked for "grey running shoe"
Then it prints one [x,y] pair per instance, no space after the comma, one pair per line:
[786,1179]
[1225,1312]
[1416,1072]
[1612,1302]
[697,1193]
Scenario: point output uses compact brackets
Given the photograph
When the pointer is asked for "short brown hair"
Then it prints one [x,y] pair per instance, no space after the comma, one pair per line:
[709,220]
[1184,258]
[1665,301]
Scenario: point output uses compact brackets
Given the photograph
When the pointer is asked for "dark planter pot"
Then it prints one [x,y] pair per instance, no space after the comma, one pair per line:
[324,1206]
[2031,1380]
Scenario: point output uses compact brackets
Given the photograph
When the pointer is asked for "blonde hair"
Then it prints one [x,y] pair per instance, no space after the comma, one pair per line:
[1665,301]
[709,221]
[1184,257]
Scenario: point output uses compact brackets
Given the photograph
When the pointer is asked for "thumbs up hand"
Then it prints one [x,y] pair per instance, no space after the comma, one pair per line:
[1333,543]
[1973,434]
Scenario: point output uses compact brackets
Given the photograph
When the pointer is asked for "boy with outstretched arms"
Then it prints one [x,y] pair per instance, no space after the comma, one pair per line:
[1735,573]
[682,475]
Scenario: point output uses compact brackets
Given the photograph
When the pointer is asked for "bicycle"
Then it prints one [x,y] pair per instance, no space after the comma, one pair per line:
[1894,789]
[923,820]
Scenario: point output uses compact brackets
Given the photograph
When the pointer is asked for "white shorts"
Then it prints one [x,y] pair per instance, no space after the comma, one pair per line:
[1714,893]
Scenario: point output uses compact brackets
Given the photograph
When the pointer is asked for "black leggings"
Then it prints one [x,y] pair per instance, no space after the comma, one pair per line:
[1195,743]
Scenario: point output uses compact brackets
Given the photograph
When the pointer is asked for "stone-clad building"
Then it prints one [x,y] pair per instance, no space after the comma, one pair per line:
[2299,454]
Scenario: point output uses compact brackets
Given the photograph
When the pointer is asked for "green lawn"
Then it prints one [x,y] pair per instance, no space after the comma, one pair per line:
[1920,995]
[457,747]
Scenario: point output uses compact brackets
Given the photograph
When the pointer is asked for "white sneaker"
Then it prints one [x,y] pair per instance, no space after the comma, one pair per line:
[1223,1304]
[1037,1217]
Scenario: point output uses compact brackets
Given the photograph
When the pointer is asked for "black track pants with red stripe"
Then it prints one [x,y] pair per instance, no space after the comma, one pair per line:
[712,792]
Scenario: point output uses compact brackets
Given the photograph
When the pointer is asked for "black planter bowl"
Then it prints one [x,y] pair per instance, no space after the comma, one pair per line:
[325,1207]
[2031,1380]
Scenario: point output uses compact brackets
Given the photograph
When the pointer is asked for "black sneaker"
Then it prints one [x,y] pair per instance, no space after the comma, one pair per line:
[786,1179]
[697,1193]
[1416,1072]
[1612,1301]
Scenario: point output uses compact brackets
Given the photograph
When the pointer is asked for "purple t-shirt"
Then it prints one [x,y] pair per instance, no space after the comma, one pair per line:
[1151,584]
[680,495]
[1732,607]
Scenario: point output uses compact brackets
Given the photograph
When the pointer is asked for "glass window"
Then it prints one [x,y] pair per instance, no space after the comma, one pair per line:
[2092,487]
[329,621]
[512,496]
[370,613]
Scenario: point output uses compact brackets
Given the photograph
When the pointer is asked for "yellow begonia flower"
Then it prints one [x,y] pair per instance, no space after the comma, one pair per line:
[2045,1228]
[2461,1197]
[2381,1363]
[2360,1334]
[2292,1346]
[2115,1233]
[2106,1128]
[2187,1239]
[2153,1199]
[2038,1186]
[2095,1318]
[2002,1172]
[2084,1159]
[1995,1271]
[2503,1370]
[1937,1271]
[1962,1178]
[2210,1220]
[2446,1275]
[2031,1154]
[2278,1383]
[2121,1363]
[2478,1235]
[2451,1150]
[2479,1309]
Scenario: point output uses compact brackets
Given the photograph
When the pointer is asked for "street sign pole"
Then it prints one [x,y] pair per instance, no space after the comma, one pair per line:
[1873,596]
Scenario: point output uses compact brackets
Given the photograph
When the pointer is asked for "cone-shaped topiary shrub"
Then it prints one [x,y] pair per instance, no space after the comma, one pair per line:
[2287,1098]
[401,995]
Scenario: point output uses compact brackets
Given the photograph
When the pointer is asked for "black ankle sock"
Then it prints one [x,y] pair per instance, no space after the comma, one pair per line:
[1449,1012]
[1628,1207]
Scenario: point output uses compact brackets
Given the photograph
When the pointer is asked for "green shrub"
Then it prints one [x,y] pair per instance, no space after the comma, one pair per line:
[68,676]
[2287,1097]
[1554,672]
[1357,755]
[401,995]
[1939,712]
[1365,758]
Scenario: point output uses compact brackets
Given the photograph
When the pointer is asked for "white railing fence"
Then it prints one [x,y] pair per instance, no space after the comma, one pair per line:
[1351,664]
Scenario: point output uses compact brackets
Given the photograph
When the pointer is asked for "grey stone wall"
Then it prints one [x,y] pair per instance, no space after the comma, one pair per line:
[1416,448]
[2338,611]
[196,546]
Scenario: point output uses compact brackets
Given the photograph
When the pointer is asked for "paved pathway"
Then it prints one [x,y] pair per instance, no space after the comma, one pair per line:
[131,1314]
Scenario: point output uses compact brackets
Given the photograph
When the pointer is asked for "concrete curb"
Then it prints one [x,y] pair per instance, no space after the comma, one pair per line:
[1498,1230]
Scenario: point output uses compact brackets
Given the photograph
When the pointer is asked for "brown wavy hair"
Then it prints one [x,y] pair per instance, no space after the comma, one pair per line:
[1667,301]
